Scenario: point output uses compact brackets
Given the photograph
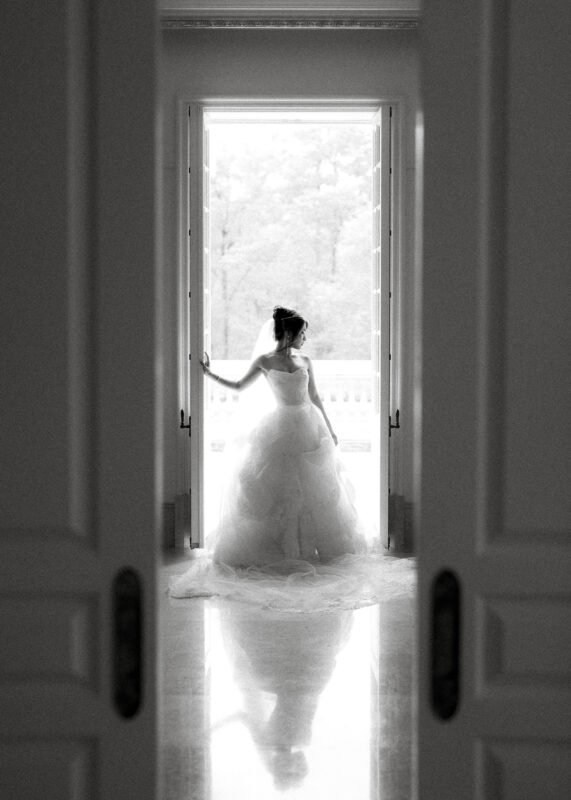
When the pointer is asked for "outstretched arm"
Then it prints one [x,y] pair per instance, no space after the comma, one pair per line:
[253,373]
[316,399]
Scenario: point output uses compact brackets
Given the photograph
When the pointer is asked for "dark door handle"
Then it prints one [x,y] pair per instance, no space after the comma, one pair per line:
[127,643]
[445,644]
[182,425]
[396,425]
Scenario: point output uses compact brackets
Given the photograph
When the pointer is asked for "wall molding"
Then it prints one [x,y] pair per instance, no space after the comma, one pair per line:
[171,22]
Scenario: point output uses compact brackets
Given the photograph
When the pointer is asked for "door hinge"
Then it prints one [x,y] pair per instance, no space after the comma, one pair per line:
[397,425]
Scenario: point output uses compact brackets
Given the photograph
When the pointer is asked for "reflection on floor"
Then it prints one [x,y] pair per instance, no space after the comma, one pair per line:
[260,704]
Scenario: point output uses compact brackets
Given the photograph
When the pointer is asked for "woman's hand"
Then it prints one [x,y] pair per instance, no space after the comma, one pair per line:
[205,363]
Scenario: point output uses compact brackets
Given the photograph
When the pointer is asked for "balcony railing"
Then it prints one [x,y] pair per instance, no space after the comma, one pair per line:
[345,387]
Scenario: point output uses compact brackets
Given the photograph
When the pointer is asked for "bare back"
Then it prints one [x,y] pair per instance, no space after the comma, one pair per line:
[283,363]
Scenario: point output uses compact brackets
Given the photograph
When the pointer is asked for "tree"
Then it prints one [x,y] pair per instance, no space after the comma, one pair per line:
[290,223]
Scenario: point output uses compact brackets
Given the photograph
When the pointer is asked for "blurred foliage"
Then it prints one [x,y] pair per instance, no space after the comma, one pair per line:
[290,224]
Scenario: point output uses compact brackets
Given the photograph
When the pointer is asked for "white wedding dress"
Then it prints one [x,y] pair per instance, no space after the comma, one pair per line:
[289,536]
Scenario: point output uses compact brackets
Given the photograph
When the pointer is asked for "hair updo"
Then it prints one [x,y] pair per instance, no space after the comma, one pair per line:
[286,320]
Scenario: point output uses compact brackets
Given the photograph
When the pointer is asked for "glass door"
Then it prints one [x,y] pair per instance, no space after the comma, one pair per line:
[380,313]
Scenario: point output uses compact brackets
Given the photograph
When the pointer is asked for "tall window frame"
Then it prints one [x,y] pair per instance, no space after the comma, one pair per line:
[192,318]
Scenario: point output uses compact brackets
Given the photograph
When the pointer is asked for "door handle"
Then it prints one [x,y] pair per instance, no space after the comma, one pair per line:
[182,425]
[127,643]
[445,644]
[397,424]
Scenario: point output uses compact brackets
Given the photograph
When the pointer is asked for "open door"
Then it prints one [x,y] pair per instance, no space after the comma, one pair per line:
[380,311]
[495,517]
[198,265]
[79,403]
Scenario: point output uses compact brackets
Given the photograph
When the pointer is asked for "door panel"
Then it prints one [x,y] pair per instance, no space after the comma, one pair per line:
[79,399]
[380,310]
[196,204]
[495,461]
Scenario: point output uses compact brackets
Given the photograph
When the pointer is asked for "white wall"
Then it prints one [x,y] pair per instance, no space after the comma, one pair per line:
[207,64]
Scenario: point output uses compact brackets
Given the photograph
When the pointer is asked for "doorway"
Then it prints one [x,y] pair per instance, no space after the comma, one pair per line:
[292,204]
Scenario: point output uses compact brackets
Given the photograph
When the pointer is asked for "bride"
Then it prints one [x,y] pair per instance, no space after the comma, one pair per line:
[289,535]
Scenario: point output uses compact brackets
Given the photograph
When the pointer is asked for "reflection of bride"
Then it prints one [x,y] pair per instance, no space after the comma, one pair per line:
[277,659]
[288,535]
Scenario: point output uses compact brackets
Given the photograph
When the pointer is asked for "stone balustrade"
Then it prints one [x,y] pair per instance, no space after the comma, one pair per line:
[345,387]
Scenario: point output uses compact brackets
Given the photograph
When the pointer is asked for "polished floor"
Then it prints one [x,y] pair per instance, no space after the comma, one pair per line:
[260,704]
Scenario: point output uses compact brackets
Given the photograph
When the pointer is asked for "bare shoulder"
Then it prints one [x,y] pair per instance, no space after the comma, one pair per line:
[264,362]
[306,362]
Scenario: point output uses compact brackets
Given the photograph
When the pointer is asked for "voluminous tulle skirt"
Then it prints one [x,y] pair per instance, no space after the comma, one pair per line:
[289,536]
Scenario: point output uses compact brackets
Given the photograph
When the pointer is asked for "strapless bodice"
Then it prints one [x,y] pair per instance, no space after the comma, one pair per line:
[289,388]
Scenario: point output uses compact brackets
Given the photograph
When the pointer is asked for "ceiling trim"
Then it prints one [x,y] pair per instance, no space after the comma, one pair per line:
[170,22]
[294,14]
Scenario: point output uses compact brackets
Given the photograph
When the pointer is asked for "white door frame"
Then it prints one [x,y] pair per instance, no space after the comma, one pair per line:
[190,281]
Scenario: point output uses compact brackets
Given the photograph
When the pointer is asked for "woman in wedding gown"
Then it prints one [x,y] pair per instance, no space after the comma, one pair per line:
[289,535]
